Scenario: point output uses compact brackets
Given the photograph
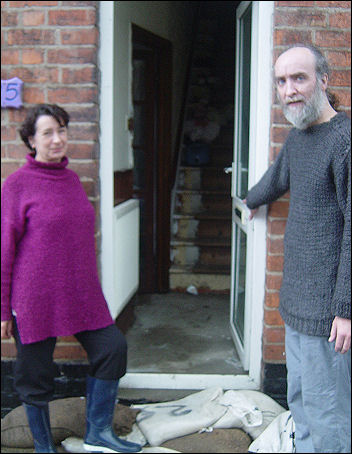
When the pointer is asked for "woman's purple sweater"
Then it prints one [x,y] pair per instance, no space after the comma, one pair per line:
[49,278]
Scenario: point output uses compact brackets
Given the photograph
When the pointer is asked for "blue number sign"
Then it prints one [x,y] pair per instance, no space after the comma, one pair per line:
[11,93]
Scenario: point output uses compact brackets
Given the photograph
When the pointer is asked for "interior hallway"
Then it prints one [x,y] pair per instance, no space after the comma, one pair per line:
[181,333]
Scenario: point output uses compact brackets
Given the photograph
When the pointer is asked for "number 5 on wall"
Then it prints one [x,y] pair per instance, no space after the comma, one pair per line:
[11,93]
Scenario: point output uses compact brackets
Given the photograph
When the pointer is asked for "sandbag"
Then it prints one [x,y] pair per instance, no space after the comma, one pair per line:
[167,420]
[251,411]
[73,444]
[67,417]
[241,411]
[277,437]
[251,404]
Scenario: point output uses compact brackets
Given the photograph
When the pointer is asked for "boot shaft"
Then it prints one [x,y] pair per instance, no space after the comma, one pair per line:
[100,437]
[39,424]
[101,399]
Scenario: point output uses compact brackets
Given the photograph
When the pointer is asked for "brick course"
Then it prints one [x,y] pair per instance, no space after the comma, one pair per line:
[327,25]
[52,45]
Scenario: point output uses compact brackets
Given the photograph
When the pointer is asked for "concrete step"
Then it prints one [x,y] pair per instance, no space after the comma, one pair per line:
[213,241]
[204,178]
[186,254]
[191,229]
[204,279]
[199,268]
[196,202]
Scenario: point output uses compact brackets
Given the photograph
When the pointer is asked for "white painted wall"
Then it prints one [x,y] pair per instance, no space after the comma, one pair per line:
[168,19]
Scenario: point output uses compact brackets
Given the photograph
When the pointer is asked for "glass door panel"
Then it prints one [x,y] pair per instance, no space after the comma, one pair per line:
[239,295]
[244,103]
[240,281]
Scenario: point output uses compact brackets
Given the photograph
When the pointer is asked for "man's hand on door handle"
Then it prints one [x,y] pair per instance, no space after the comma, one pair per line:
[252,212]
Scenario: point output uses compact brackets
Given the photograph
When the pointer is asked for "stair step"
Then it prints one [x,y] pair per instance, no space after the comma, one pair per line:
[211,215]
[212,179]
[210,168]
[214,241]
[190,254]
[204,283]
[209,192]
[201,269]
[193,202]
[191,228]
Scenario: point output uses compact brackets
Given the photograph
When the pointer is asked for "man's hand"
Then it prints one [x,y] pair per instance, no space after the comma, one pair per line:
[341,332]
[6,329]
[252,212]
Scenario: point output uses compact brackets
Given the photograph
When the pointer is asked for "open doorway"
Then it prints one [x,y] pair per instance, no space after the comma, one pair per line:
[259,144]
[181,333]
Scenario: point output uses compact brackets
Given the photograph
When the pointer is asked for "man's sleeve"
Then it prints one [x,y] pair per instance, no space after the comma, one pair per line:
[273,184]
[342,294]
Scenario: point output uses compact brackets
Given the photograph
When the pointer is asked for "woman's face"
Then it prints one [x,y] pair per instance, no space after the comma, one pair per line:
[49,140]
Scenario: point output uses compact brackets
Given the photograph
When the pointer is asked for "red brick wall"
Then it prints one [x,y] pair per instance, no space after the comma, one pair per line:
[326,25]
[52,47]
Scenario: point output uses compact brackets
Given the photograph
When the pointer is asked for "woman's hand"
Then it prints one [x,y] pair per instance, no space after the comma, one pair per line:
[6,329]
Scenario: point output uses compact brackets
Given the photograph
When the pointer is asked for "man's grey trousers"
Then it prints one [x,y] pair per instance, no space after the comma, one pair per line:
[318,393]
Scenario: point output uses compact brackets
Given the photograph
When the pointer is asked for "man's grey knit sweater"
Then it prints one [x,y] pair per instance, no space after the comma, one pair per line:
[315,166]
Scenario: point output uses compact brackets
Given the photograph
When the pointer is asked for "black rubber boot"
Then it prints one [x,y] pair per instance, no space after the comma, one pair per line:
[39,423]
[100,437]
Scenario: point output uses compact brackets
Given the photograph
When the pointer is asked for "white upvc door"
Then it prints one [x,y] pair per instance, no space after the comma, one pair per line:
[251,148]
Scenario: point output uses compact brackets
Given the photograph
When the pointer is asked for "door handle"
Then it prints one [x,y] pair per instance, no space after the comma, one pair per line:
[228,169]
[240,212]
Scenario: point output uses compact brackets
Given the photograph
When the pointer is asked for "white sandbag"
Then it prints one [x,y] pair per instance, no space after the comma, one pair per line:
[251,411]
[278,437]
[135,436]
[74,444]
[269,408]
[241,411]
[167,420]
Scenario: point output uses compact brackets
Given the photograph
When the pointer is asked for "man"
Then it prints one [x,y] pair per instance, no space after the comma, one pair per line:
[315,299]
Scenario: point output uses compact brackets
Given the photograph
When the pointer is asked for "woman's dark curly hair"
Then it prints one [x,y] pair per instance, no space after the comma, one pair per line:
[28,127]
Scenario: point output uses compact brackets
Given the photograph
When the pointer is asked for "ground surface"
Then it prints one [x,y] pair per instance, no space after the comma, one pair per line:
[220,440]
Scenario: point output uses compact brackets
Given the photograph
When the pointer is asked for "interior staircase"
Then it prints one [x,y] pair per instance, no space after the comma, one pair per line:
[201,218]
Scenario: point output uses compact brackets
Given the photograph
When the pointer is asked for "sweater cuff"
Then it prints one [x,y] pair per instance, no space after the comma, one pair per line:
[6,311]
[6,315]
[251,202]
[342,309]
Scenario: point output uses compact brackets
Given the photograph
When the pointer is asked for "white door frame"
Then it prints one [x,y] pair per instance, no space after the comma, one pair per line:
[261,90]
[260,121]
[106,162]
[259,143]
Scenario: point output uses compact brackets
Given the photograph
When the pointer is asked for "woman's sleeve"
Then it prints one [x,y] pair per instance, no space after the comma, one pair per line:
[12,228]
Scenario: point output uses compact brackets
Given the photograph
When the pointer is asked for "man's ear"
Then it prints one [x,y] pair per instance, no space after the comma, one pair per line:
[324,81]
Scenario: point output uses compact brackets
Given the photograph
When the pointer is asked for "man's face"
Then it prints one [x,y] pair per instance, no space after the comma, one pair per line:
[300,94]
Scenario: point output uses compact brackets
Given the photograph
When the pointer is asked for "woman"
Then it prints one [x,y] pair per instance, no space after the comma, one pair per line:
[50,285]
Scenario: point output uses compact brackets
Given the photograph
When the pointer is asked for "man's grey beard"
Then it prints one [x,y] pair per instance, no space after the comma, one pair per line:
[311,111]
